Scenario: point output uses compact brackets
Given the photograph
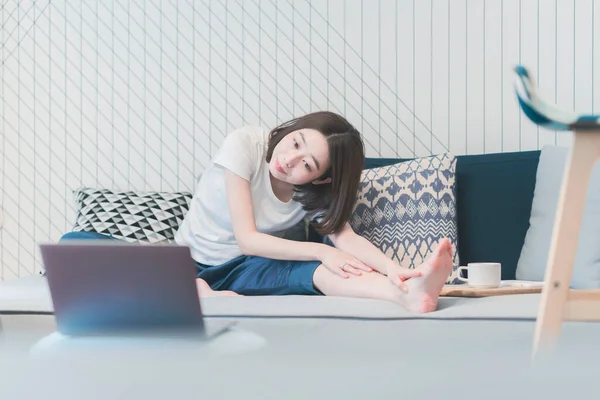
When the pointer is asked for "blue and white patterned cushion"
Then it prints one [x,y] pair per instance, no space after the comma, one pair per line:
[406,208]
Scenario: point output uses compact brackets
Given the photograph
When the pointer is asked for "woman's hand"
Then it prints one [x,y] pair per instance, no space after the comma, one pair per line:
[342,263]
[398,274]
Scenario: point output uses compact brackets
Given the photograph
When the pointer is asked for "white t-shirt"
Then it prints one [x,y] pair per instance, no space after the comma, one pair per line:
[207,227]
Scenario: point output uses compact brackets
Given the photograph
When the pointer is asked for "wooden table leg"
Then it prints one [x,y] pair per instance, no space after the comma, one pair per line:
[565,237]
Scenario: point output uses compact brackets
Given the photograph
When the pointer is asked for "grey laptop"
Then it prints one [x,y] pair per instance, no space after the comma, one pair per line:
[109,287]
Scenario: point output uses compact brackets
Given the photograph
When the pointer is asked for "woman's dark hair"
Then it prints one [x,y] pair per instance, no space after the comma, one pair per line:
[329,205]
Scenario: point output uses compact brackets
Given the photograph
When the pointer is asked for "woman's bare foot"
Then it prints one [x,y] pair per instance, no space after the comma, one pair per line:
[204,290]
[424,291]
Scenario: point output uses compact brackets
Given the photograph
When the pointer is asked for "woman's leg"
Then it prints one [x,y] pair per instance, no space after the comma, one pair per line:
[204,290]
[257,276]
[423,292]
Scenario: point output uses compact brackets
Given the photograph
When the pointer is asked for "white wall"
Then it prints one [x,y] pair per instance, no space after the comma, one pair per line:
[139,94]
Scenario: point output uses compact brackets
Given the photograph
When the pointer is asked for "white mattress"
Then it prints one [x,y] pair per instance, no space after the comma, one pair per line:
[31,295]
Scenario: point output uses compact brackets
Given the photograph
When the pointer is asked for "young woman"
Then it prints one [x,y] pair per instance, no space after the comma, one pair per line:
[260,184]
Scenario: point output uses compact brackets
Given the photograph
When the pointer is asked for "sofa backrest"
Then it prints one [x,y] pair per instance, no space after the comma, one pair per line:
[494,193]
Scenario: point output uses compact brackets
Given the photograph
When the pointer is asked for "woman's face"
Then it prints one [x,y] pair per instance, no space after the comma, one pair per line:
[300,157]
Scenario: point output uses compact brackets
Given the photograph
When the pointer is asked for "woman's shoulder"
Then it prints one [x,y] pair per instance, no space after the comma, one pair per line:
[250,133]
[242,150]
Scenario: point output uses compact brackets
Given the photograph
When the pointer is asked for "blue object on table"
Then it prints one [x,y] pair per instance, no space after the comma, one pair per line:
[544,114]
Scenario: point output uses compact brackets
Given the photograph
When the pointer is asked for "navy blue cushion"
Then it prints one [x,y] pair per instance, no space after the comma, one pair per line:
[494,197]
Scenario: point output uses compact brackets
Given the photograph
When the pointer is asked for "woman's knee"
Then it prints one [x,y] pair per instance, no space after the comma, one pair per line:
[84,236]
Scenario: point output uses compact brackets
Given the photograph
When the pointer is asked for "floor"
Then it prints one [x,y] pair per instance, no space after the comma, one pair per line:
[284,358]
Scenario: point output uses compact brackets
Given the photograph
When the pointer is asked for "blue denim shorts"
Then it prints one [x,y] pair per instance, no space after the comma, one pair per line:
[252,275]
[247,275]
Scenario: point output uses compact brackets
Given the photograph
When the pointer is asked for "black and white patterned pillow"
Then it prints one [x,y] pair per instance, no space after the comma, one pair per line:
[151,217]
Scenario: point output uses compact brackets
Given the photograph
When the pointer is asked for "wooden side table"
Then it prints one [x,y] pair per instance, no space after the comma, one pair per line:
[558,301]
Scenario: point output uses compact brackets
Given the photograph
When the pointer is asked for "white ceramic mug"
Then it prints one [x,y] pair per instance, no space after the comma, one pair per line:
[482,274]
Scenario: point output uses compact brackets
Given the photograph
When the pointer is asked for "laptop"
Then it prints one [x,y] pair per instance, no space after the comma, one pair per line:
[109,287]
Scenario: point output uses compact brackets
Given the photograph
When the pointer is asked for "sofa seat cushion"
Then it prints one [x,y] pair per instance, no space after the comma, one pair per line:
[31,295]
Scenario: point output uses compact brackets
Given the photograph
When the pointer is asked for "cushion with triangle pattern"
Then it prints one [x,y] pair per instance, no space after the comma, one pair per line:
[151,217]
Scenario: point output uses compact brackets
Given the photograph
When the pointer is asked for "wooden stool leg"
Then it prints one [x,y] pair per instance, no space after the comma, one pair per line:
[584,154]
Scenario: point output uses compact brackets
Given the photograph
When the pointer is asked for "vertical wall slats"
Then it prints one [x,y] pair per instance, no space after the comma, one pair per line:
[138,95]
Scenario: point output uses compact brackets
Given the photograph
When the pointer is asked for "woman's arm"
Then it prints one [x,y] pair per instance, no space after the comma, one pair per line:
[348,241]
[254,243]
